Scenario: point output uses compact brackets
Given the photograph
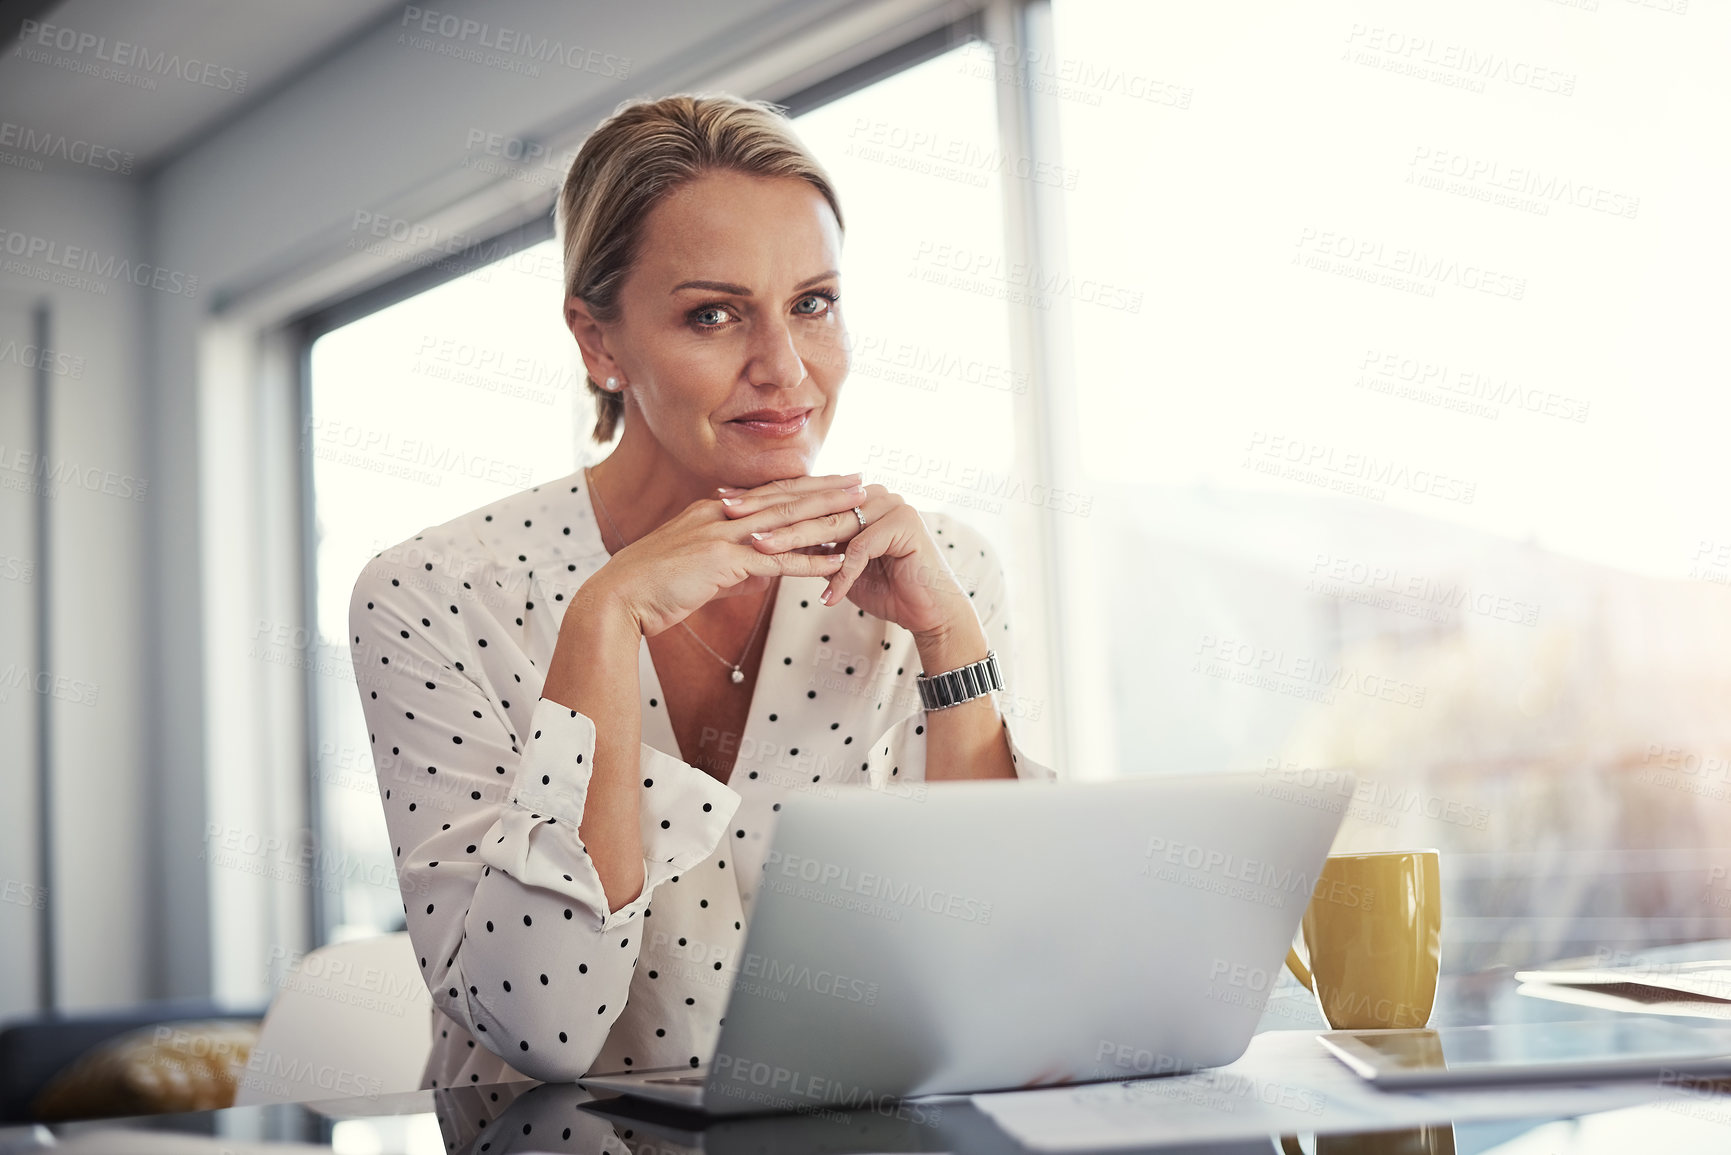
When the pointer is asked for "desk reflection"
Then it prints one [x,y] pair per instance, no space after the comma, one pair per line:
[506,1117]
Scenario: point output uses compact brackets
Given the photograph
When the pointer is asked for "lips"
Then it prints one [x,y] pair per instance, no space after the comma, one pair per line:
[773,422]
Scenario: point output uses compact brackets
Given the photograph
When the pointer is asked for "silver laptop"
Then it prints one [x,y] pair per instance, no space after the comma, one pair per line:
[981,936]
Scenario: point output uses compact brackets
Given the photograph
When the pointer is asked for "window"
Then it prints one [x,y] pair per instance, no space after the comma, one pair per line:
[473,390]
[1407,458]
[927,407]
[420,412]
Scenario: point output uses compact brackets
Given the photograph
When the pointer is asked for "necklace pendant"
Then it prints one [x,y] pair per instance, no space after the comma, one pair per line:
[737,676]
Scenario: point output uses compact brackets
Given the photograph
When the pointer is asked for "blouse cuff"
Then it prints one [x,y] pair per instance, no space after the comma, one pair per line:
[684,813]
[899,754]
[682,823]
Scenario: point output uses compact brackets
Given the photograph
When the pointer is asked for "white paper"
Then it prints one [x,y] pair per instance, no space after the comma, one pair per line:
[1628,998]
[1708,980]
[1284,1084]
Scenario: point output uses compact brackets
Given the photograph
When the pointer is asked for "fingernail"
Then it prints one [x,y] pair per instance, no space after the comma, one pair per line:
[728,489]
[730,501]
[854,489]
[854,476]
[761,536]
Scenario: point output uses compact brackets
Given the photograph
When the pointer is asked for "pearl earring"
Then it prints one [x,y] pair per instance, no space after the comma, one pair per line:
[612,382]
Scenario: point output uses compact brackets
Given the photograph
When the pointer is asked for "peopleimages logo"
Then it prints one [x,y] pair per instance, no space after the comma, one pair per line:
[1389,372]
[59,146]
[779,1083]
[124,54]
[32,356]
[1389,587]
[413,459]
[1224,864]
[1355,473]
[1524,180]
[878,886]
[480,39]
[1458,65]
[1371,257]
[279,1075]
[20,893]
[92,263]
[821,982]
[66,688]
[50,477]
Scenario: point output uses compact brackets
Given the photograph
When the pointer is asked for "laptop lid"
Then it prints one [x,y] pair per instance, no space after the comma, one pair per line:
[975,936]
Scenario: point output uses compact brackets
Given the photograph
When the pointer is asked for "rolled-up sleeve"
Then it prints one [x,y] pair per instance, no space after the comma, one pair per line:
[506,912]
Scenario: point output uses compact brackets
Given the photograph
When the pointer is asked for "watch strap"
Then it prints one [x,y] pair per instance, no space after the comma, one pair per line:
[962,684]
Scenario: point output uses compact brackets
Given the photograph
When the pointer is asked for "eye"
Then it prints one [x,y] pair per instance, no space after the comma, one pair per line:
[824,299]
[709,316]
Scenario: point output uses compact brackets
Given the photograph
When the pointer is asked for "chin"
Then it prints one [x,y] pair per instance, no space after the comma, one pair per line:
[769,465]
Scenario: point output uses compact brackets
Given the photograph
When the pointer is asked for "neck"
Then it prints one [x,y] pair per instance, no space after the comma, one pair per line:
[643,487]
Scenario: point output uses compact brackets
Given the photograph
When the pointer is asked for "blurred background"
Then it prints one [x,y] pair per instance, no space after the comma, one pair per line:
[1343,384]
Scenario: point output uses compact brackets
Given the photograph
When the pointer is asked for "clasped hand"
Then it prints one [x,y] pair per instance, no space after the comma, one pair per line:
[891,568]
[738,541]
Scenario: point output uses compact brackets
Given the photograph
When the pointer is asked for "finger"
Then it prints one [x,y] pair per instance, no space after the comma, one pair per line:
[793,509]
[790,484]
[804,479]
[770,566]
[873,541]
[750,501]
[866,544]
[837,527]
[807,564]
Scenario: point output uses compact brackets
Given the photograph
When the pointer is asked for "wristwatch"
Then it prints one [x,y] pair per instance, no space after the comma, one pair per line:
[962,684]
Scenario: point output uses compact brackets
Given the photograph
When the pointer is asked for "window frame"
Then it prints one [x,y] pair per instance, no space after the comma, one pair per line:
[1032,223]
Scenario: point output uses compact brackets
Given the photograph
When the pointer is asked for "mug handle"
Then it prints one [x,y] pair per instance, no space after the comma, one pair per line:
[1299,970]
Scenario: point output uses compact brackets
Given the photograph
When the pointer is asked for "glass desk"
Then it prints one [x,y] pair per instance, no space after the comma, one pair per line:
[527,1116]
[562,1117]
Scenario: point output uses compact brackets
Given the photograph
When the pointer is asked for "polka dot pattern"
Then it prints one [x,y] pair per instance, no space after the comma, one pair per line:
[499,1120]
[531,975]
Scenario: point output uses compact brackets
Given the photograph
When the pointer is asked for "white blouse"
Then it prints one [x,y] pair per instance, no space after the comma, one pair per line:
[483,783]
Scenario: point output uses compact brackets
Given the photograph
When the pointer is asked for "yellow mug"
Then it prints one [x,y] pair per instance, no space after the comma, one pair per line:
[1434,1139]
[1373,931]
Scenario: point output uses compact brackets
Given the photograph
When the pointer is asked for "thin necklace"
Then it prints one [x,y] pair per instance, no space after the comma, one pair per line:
[737,675]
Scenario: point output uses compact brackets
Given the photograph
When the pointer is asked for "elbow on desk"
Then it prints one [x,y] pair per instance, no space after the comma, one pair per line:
[532,1045]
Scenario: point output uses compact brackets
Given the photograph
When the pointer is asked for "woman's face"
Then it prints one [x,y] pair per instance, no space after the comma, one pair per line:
[730,310]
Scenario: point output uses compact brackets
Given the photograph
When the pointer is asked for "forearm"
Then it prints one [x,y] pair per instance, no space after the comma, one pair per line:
[594,671]
[965,741]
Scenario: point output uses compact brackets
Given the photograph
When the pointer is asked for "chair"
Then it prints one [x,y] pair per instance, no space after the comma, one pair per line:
[351,1020]
[35,1051]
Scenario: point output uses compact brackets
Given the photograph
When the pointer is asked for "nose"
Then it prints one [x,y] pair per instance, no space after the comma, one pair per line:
[774,358]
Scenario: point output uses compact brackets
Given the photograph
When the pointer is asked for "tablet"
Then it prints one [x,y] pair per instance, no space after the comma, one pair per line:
[1532,1052]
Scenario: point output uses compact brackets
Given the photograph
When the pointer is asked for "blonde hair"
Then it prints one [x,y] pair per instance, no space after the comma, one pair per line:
[632,161]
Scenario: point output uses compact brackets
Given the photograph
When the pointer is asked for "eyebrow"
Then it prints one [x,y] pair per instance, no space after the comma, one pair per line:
[742,291]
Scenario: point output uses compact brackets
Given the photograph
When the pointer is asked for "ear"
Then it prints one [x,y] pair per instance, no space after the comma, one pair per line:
[591,340]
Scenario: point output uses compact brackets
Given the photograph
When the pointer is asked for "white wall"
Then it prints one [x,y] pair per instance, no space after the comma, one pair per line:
[104,781]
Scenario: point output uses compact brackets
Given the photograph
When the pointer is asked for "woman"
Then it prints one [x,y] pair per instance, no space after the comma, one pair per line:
[598,692]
